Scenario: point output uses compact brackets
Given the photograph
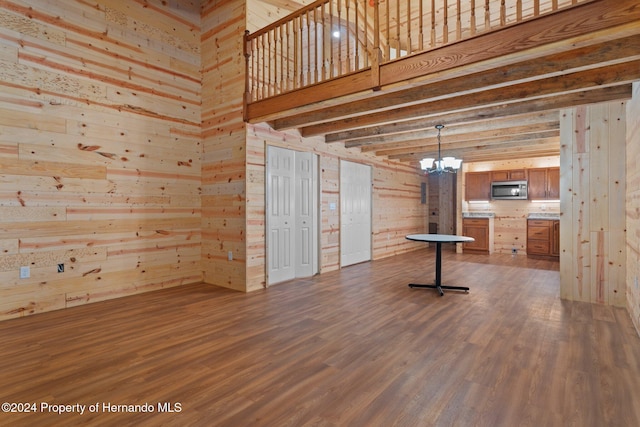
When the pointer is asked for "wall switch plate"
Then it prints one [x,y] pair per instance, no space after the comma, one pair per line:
[230,256]
[25,272]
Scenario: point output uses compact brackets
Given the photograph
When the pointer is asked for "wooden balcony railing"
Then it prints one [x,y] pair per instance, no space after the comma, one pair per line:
[333,38]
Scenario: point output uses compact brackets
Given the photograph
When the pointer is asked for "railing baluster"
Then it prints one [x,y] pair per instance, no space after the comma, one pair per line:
[339,71]
[323,27]
[409,25]
[368,51]
[397,41]
[487,16]
[388,28]
[331,44]
[421,26]
[315,46]
[445,18]
[357,38]
[272,68]
[503,13]
[472,18]
[254,63]
[458,21]
[536,8]
[348,31]
[519,11]
[433,23]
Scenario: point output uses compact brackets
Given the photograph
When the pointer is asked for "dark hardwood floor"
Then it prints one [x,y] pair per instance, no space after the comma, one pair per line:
[355,347]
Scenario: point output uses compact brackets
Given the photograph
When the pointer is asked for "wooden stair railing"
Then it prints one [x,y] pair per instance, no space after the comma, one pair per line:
[329,39]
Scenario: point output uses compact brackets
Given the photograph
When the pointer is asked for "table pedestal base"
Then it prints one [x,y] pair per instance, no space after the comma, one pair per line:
[439,287]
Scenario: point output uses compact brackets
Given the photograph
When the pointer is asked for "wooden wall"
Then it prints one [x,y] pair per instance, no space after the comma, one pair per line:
[224,227]
[510,215]
[633,206]
[593,191]
[99,150]
[397,210]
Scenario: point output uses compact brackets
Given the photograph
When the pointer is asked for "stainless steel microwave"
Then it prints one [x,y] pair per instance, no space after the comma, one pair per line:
[509,190]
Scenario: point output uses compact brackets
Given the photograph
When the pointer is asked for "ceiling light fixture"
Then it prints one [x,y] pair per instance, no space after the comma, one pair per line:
[441,165]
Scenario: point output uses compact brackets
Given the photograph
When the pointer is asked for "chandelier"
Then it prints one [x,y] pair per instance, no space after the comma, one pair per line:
[442,164]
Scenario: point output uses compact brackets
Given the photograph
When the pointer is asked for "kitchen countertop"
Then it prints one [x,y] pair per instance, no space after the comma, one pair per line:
[543,215]
[478,214]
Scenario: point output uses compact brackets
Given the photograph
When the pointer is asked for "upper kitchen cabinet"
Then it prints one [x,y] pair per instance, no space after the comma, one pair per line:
[509,175]
[544,183]
[478,186]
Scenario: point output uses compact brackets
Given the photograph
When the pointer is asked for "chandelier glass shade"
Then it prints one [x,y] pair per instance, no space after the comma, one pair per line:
[441,164]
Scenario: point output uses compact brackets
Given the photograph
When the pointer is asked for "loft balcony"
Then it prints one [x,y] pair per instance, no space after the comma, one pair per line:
[380,74]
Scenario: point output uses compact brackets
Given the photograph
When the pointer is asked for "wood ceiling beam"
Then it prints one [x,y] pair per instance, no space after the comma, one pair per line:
[505,150]
[508,125]
[382,132]
[466,146]
[461,81]
[466,139]
[491,112]
[582,80]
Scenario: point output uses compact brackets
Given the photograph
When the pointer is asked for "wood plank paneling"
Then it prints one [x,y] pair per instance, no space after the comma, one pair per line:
[225,225]
[100,150]
[632,245]
[592,254]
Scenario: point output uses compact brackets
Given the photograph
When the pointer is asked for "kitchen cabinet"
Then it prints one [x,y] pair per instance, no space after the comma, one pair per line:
[544,183]
[478,228]
[509,175]
[478,186]
[543,238]
[555,239]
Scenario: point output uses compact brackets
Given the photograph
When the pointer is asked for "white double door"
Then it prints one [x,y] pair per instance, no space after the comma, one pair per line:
[292,214]
[355,213]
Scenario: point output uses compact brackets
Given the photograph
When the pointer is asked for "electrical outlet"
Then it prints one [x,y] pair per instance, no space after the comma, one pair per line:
[25,272]
[230,256]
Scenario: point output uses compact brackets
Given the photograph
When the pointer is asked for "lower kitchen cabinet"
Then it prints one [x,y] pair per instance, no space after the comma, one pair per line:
[543,238]
[478,228]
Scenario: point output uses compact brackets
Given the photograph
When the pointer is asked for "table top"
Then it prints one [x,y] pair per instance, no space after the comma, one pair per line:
[443,238]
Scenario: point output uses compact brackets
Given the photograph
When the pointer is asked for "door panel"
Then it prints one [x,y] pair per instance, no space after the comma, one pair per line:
[280,192]
[355,218]
[304,212]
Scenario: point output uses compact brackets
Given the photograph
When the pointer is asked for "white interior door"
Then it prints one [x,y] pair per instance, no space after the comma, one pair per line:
[292,214]
[280,216]
[305,231]
[355,213]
